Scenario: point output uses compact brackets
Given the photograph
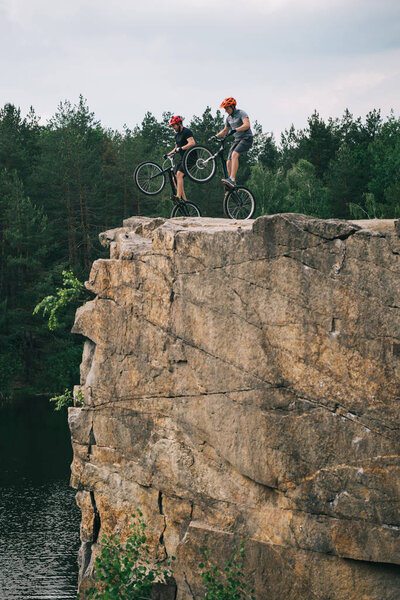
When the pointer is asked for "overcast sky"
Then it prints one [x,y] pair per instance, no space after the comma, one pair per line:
[280,59]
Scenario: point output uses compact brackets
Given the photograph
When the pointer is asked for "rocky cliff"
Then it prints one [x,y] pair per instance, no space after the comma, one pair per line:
[241,380]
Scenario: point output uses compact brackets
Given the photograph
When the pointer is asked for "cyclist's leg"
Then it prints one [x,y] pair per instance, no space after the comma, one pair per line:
[229,159]
[242,147]
[234,165]
[180,190]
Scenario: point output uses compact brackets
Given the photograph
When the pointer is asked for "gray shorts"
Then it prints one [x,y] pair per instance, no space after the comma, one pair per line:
[241,147]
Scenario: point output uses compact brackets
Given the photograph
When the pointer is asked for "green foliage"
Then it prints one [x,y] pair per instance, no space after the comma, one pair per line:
[63,401]
[384,182]
[206,126]
[371,210]
[125,571]
[60,361]
[270,188]
[67,399]
[298,190]
[264,151]
[63,183]
[72,290]
[10,365]
[23,254]
[306,193]
[228,584]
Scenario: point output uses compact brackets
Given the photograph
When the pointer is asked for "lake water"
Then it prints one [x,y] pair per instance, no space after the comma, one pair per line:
[39,520]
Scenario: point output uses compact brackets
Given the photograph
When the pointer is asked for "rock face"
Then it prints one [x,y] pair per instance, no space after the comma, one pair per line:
[242,381]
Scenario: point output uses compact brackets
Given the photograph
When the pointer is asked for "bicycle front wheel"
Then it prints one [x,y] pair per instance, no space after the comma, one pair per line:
[239,203]
[149,178]
[186,209]
[199,164]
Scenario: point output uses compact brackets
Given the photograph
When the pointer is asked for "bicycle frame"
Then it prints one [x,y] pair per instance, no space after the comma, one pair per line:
[200,166]
[171,174]
[172,179]
[220,153]
[147,171]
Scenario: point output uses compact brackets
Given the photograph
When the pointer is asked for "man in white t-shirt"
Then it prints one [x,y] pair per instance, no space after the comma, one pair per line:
[237,124]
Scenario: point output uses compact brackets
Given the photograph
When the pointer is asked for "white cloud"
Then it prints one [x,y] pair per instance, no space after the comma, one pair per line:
[28,14]
[280,58]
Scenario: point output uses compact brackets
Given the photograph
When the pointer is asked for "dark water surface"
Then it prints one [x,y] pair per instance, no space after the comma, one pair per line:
[39,520]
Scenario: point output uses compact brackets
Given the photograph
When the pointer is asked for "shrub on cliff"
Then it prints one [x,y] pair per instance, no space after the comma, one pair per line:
[228,584]
[124,571]
[72,291]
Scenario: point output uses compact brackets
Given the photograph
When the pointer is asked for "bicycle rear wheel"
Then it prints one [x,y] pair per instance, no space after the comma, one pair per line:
[149,178]
[239,203]
[186,209]
[199,164]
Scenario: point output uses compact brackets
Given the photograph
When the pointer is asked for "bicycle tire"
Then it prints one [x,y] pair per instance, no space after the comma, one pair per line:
[198,164]
[149,178]
[186,209]
[239,203]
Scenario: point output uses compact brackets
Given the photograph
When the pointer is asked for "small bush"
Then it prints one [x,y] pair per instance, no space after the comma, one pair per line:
[67,399]
[229,584]
[72,290]
[125,572]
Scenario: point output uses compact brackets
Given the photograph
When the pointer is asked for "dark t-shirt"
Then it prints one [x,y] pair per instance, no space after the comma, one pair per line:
[181,138]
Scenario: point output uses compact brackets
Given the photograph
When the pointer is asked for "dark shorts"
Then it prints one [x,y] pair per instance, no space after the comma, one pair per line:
[241,147]
[179,167]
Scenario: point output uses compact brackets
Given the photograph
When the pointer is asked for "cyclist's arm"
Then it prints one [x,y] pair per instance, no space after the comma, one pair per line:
[245,125]
[223,132]
[190,143]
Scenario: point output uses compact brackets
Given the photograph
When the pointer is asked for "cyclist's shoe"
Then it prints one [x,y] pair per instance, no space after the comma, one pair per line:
[178,200]
[228,182]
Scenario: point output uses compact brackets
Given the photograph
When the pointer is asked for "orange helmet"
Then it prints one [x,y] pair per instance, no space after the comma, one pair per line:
[228,102]
[177,120]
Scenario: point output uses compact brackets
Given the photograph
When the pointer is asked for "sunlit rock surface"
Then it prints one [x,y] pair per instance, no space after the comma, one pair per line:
[242,381]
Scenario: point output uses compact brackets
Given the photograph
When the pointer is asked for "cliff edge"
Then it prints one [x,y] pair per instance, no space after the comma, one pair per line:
[241,380]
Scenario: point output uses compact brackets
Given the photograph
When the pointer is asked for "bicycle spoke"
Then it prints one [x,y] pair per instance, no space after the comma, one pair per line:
[239,204]
[199,164]
[150,178]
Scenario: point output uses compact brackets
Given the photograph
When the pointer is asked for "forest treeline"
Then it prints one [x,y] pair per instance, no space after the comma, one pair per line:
[64,182]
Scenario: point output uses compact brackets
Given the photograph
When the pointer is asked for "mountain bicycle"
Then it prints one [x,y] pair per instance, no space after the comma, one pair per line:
[200,165]
[150,178]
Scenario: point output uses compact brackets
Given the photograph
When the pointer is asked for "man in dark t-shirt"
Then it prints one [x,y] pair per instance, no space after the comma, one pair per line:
[237,124]
[183,140]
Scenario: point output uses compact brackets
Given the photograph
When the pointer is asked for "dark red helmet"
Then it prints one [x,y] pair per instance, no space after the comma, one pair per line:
[228,102]
[177,120]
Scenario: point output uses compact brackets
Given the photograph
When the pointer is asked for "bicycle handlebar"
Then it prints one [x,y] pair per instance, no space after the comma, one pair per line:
[214,138]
